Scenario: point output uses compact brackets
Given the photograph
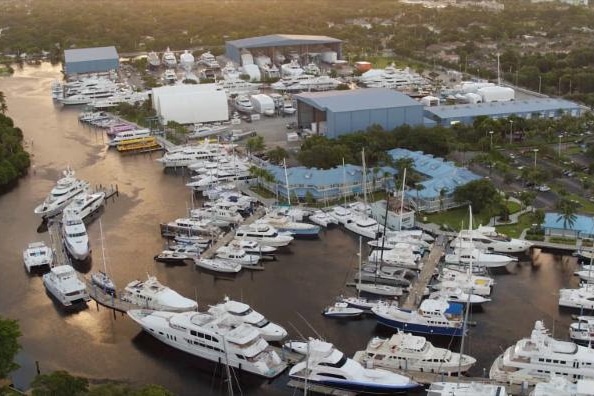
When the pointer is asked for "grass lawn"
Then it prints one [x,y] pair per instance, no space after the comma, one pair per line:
[513,206]
[514,230]
[455,218]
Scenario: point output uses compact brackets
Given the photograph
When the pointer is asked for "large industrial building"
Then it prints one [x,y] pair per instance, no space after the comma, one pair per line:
[90,60]
[335,113]
[532,108]
[329,49]
[190,103]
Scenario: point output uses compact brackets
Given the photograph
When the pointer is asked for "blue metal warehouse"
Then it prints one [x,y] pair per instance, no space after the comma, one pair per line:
[335,113]
[280,43]
[534,108]
[90,60]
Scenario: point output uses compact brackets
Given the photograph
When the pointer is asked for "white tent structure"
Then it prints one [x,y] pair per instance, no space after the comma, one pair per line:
[190,103]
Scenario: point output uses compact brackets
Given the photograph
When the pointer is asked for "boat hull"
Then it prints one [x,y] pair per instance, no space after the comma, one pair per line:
[361,387]
[420,328]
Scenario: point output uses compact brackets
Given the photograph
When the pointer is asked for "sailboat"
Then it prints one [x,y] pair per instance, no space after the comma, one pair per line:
[100,278]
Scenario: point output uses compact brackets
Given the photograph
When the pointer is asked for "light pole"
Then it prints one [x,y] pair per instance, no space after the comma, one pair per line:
[535,151]
[491,134]
[539,83]
[511,131]
[559,149]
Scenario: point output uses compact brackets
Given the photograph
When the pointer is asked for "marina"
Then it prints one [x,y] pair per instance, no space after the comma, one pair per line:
[146,194]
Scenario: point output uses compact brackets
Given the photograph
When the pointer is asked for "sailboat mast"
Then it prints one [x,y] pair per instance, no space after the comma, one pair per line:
[467,308]
[102,247]
[287,181]
[360,258]
[402,200]
[364,179]
[344,182]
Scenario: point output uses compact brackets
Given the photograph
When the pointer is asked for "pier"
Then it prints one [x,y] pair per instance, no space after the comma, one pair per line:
[60,255]
[430,263]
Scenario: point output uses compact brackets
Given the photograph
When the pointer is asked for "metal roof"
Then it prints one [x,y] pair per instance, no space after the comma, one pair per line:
[442,174]
[282,40]
[90,54]
[324,177]
[356,99]
[496,108]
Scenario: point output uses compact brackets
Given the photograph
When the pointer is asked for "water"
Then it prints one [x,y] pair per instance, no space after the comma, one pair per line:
[291,291]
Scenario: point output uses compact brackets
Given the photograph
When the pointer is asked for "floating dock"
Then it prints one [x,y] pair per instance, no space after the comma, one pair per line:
[430,263]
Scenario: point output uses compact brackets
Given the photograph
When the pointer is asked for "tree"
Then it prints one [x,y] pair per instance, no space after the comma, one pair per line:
[481,194]
[59,383]
[9,346]
[255,144]
[277,155]
[442,193]
[527,198]
[3,106]
[567,209]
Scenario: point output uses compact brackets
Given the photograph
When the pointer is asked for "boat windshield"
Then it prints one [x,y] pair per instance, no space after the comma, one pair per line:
[262,323]
[341,362]
[244,313]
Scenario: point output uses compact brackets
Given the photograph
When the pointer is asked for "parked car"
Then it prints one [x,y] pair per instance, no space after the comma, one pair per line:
[543,188]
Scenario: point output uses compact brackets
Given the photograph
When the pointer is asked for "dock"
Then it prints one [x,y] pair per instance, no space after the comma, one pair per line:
[314,388]
[60,255]
[108,300]
[164,143]
[430,263]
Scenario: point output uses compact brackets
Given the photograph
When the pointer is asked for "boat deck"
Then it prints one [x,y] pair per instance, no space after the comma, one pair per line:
[324,390]
[107,300]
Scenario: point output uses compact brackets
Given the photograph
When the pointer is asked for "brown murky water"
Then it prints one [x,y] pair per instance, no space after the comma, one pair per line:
[291,291]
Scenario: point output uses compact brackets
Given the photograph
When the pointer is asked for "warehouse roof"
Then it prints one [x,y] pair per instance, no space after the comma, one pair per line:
[324,177]
[496,108]
[357,99]
[281,40]
[90,54]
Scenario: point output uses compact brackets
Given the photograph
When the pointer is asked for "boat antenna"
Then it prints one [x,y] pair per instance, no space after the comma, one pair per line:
[344,182]
[401,200]
[287,181]
[310,326]
[360,258]
[364,186]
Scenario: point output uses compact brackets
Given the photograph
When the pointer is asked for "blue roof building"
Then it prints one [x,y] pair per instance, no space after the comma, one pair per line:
[90,60]
[436,192]
[334,113]
[582,227]
[280,43]
[448,115]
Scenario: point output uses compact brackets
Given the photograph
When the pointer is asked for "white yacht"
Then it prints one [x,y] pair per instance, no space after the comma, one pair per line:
[86,204]
[244,313]
[291,69]
[169,76]
[322,219]
[400,255]
[365,226]
[126,136]
[151,294]
[342,214]
[62,194]
[192,226]
[238,255]
[404,351]
[582,297]
[327,366]
[218,265]
[222,176]
[285,223]
[457,295]
[64,284]
[208,60]
[488,239]
[237,86]
[465,389]
[153,59]
[221,217]
[38,256]
[74,235]
[582,331]
[218,338]
[560,386]
[465,280]
[186,60]
[187,155]
[465,253]
[230,72]
[243,104]
[534,359]
[253,247]
[169,59]
[264,234]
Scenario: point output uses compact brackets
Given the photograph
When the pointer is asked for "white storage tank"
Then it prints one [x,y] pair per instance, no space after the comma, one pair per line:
[263,104]
[329,56]
[473,98]
[473,86]
[429,101]
[497,94]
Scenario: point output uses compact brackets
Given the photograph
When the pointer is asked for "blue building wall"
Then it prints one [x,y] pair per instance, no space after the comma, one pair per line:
[91,66]
[233,53]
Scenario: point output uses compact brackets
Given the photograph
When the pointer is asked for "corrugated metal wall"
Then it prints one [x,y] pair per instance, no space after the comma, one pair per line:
[92,66]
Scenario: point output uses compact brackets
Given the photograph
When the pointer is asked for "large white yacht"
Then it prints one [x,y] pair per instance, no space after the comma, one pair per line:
[244,313]
[208,60]
[66,188]
[488,239]
[404,351]
[465,389]
[153,59]
[74,235]
[86,204]
[187,155]
[63,283]
[38,256]
[465,280]
[151,294]
[218,338]
[327,366]
[582,331]
[365,226]
[243,104]
[238,255]
[534,359]
[581,298]
[169,59]
[560,386]
[265,234]
[126,136]
[465,253]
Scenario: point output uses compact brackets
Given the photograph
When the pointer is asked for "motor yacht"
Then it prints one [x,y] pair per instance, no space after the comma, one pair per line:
[488,239]
[244,313]
[243,104]
[169,256]
[237,254]
[74,235]
[342,214]
[465,389]
[327,366]
[169,76]
[580,298]
[153,59]
[186,60]
[342,310]
[435,317]
[151,294]
[237,86]
[187,155]
[169,59]
[284,223]
[534,359]
[86,204]
[63,283]
[208,60]
[218,265]
[128,135]
[457,295]
[405,351]
[38,256]
[192,226]
[253,247]
[582,331]
[465,280]
[264,234]
[322,219]
[465,252]
[560,386]
[66,188]
[222,339]
[365,226]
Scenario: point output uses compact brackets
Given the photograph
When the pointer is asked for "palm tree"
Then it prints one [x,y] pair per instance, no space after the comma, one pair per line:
[568,209]
[442,194]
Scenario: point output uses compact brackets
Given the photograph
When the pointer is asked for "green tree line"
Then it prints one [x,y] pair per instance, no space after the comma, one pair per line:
[14,160]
